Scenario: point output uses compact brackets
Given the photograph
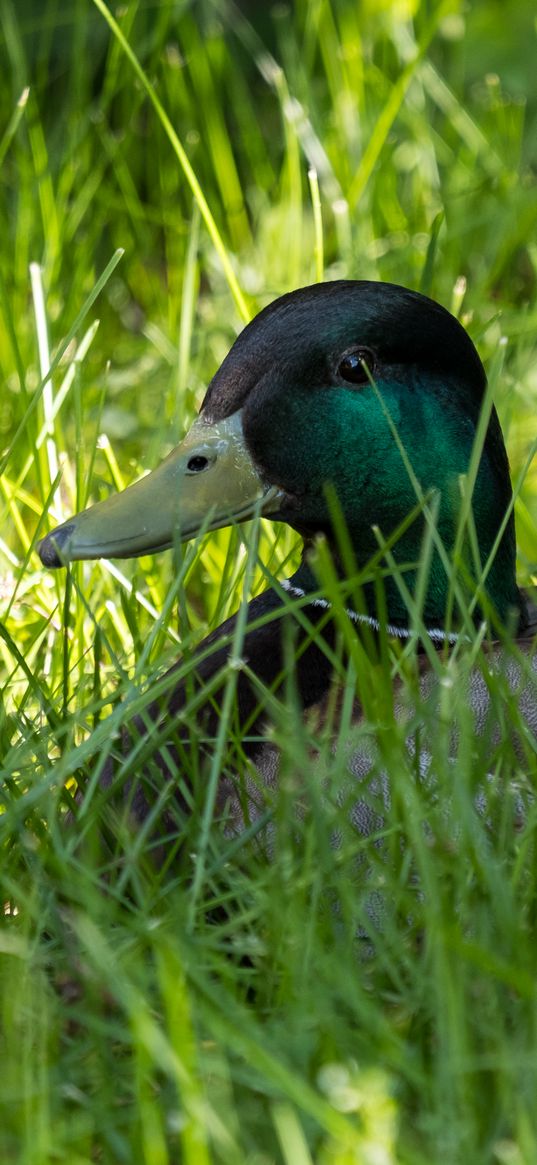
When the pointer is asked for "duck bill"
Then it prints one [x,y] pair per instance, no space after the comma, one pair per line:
[207,482]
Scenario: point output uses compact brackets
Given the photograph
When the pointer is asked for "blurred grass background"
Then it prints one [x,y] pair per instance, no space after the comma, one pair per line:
[392,141]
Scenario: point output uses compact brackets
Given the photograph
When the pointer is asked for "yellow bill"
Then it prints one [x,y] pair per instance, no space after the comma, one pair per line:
[208,481]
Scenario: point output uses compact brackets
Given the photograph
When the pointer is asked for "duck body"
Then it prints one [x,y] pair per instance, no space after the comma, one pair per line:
[348,406]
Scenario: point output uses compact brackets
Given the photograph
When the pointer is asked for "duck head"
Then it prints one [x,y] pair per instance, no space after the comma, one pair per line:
[342,385]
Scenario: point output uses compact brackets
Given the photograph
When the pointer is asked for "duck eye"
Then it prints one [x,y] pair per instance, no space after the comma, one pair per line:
[357,366]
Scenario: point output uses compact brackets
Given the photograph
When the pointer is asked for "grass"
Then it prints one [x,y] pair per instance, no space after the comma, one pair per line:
[223,1010]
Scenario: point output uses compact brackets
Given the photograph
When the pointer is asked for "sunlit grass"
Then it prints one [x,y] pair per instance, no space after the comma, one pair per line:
[224,1009]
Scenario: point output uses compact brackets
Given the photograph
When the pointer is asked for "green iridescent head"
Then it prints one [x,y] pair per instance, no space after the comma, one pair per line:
[293,410]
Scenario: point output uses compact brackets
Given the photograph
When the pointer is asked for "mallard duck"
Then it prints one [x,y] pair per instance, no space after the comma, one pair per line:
[345,405]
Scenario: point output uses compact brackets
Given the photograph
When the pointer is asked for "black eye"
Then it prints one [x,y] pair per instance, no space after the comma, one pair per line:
[197,464]
[353,366]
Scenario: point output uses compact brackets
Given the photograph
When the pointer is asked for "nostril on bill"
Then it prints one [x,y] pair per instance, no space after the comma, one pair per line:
[197,463]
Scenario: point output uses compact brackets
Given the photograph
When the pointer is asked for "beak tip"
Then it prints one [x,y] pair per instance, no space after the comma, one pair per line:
[49,549]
